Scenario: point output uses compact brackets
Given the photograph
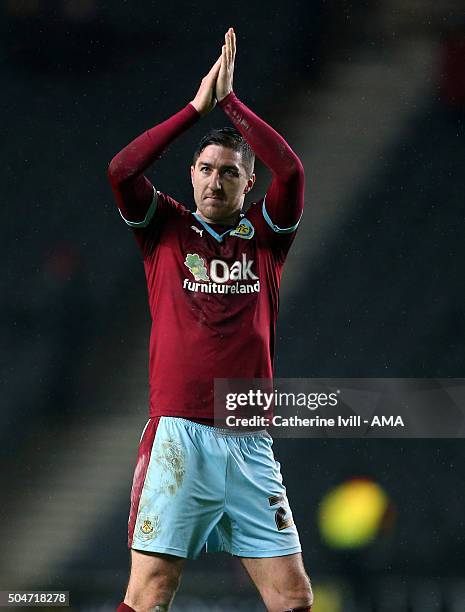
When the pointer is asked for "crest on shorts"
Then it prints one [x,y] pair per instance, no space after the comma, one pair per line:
[149,527]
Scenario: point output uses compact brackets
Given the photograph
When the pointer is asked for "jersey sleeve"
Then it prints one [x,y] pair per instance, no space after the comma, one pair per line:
[270,235]
[137,200]
[152,207]
[285,196]
[148,231]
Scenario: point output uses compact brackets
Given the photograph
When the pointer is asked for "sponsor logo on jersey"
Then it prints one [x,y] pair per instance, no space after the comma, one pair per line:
[197,267]
[219,274]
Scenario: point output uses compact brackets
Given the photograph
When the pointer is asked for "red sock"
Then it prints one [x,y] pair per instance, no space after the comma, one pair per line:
[124,608]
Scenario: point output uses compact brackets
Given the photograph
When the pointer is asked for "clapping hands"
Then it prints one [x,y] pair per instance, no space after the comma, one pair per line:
[218,83]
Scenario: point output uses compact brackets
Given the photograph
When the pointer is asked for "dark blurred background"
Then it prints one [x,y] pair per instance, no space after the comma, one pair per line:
[371,95]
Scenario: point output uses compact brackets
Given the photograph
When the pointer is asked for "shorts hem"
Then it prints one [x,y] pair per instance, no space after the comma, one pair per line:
[264,554]
[168,550]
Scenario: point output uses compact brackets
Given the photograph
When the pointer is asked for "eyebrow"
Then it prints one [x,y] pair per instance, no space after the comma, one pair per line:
[226,167]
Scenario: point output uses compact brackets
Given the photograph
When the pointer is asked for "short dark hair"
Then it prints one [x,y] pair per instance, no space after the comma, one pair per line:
[232,139]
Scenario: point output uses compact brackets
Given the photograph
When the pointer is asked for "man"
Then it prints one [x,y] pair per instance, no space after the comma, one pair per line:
[213,280]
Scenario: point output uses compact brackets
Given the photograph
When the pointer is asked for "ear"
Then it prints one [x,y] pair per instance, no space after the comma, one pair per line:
[250,183]
[192,175]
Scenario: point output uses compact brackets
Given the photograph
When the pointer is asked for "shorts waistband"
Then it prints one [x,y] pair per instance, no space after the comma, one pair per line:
[220,431]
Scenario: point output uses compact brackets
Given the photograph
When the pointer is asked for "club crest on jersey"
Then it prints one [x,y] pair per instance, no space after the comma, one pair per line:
[244,230]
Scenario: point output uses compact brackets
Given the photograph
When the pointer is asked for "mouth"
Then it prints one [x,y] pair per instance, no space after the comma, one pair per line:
[210,197]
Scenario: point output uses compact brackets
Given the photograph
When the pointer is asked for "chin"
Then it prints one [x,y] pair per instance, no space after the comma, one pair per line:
[220,213]
[215,214]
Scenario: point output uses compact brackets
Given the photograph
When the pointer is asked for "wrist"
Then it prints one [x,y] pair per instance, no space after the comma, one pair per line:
[226,98]
[195,107]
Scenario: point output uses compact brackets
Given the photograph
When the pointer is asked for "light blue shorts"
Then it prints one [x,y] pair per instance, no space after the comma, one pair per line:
[196,485]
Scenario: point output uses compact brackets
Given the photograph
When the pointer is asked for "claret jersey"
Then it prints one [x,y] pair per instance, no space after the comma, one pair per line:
[213,298]
[213,290]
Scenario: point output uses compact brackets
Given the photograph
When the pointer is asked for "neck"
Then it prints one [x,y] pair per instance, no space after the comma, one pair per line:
[231,220]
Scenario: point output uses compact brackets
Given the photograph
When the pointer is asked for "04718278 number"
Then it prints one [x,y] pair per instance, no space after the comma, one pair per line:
[34,598]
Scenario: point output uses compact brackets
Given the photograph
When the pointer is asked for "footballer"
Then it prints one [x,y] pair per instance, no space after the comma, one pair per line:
[213,281]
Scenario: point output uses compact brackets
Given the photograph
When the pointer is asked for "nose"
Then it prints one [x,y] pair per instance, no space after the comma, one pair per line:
[215,183]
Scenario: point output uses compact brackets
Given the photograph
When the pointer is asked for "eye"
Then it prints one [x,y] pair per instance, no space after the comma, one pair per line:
[231,172]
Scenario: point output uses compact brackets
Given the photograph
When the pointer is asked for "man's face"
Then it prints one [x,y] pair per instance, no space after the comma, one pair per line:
[220,183]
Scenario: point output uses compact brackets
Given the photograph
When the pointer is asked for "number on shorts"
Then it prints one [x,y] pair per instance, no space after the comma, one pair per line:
[280,517]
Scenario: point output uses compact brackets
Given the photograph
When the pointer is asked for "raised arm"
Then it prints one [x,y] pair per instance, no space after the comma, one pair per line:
[133,191]
[285,196]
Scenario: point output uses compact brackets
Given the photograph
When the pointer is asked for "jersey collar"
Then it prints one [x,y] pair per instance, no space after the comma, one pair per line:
[211,231]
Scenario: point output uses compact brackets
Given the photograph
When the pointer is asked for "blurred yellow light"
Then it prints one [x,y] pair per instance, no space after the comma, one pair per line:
[350,515]
[326,598]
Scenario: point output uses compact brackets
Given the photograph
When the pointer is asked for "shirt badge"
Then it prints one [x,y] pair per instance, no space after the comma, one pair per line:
[243,230]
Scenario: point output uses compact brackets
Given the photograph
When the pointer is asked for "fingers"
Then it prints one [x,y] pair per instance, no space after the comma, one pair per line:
[227,47]
[233,45]
[213,72]
[230,40]
[224,81]
[216,66]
